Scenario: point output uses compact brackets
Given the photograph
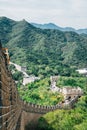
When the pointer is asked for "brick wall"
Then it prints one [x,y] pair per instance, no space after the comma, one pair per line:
[10,105]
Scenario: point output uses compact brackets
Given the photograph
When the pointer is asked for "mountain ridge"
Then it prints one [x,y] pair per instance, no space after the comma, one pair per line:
[43,51]
[54,26]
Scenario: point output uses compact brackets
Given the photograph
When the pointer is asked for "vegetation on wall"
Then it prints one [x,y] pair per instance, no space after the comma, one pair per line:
[73,82]
[39,93]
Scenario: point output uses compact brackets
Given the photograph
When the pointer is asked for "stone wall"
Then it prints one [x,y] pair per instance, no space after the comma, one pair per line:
[33,108]
[28,117]
[10,105]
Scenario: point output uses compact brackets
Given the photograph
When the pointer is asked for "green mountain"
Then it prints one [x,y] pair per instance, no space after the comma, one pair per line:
[43,51]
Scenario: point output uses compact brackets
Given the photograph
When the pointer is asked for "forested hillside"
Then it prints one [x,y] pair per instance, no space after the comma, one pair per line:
[75,119]
[44,52]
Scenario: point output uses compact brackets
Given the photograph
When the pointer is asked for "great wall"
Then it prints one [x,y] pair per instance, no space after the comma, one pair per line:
[15,113]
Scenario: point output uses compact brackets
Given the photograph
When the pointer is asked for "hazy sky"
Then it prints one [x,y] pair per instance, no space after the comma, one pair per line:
[61,12]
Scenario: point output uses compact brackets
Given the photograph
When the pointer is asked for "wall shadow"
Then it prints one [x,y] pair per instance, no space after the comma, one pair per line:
[40,125]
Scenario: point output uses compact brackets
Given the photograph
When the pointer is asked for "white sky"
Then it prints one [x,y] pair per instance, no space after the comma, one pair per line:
[61,12]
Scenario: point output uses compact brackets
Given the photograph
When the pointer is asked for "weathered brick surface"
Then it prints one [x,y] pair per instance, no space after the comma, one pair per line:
[10,104]
[29,117]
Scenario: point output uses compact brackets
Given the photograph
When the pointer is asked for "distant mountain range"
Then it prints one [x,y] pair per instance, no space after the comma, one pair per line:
[53,26]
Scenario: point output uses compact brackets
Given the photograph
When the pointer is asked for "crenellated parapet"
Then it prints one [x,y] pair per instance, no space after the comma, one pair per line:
[33,108]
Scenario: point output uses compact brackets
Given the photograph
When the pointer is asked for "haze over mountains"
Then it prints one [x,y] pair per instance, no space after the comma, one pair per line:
[54,26]
[43,51]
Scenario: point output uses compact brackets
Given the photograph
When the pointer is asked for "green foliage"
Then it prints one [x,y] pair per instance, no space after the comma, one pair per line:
[75,119]
[44,52]
[39,93]
[72,81]
[12,67]
[16,75]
